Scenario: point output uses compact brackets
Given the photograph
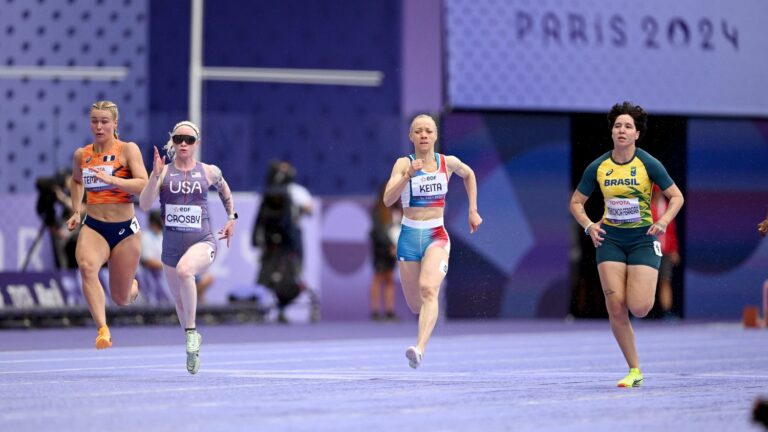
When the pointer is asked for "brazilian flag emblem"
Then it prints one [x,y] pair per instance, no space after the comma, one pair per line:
[633,171]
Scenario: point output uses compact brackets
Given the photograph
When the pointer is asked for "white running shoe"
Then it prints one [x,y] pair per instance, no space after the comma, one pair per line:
[194,339]
[414,356]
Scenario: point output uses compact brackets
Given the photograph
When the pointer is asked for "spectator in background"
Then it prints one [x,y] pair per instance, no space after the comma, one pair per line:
[670,253]
[277,232]
[156,288]
[760,409]
[385,228]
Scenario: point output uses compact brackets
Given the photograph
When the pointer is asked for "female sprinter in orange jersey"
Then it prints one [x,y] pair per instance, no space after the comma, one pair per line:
[109,172]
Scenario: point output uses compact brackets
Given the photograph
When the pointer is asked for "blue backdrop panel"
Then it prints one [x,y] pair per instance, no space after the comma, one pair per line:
[726,260]
[516,265]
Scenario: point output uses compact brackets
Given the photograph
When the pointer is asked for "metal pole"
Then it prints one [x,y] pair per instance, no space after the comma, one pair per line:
[196,67]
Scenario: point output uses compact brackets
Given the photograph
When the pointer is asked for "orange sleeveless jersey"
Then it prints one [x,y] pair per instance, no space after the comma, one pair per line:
[98,192]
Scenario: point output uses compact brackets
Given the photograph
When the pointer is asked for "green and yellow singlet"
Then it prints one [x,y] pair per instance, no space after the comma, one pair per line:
[626,187]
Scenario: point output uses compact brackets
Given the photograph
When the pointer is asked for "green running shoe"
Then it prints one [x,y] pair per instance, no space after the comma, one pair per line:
[193,351]
[633,379]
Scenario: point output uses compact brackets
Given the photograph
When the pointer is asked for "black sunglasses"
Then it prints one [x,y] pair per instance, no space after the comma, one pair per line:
[189,139]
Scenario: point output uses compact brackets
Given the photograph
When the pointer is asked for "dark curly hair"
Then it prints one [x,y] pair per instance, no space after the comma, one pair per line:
[635,111]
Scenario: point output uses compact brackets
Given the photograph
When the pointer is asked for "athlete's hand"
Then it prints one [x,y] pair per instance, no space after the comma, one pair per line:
[228,232]
[416,165]
[762,228]
[596,232]
[474,221]
[658,228]
[104,177]
[73,221]
[158,164]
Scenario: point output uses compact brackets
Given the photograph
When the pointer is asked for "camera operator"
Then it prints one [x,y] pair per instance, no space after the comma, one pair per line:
[53,192]
[277,232]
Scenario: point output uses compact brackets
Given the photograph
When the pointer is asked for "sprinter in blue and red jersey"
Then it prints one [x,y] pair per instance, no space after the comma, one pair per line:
[420,181]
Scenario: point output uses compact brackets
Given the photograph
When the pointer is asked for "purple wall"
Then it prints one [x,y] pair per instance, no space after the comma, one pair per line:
[422,54]
[342,139]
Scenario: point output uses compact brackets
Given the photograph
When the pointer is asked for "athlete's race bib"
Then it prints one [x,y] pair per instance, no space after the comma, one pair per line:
[622,210]
[183,217]
[429,186]
[135,225]
[93,183]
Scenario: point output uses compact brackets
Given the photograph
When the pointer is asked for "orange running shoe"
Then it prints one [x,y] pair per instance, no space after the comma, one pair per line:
[104,339]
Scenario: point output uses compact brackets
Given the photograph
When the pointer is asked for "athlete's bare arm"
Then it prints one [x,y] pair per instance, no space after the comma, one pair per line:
[151,191]
[675,197]
[76,190]
[463,170]
[401,173]
[216,179]
[593,229]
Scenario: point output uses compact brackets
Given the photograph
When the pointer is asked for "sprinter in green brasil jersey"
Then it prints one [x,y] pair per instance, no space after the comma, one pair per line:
[628,253]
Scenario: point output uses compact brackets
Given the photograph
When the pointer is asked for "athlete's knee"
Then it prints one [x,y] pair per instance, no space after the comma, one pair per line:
[184,271]
[427,292]
[620,316]
[89,267]
[641,308]
[119,298]
[616,308]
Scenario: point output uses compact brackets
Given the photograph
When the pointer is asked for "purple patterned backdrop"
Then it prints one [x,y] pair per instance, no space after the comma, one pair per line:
[43,120]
